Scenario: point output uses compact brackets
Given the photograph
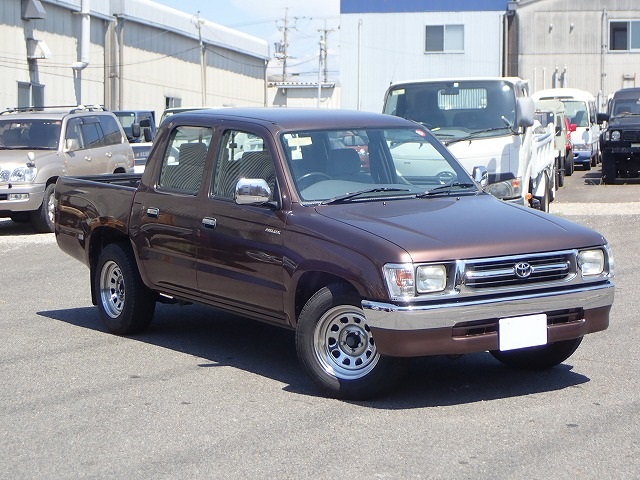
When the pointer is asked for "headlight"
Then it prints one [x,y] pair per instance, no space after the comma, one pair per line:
[23,174]
[404,280]
[591,262]
[615,135]
[506,189]
[431,278]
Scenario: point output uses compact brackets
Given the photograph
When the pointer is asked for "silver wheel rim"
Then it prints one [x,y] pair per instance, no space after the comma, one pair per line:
[112,291]
[51,208]
[343,343]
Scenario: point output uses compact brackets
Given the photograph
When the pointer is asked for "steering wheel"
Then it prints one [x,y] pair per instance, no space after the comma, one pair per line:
[446,177]
[305,180]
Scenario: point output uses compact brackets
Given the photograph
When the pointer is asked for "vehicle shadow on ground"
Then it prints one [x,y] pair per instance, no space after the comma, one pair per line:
[9,227]
[226,340]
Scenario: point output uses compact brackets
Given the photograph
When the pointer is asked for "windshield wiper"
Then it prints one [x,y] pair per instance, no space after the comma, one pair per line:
[349,196]
[473,134]
[446,189]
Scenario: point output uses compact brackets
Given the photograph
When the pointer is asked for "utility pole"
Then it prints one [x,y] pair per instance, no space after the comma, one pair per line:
[323,52]
[281,49]
[203,65]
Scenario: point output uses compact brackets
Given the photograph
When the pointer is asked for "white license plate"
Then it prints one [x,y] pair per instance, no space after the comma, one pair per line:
[522,332]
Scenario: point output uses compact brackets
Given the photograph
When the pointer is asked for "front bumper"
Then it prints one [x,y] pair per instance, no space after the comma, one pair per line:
[471,326]
[581,156]
[33,202]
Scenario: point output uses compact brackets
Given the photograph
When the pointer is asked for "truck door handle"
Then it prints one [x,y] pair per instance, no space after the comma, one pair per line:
[108,154]
[153,212]
[208,222]
[88,158]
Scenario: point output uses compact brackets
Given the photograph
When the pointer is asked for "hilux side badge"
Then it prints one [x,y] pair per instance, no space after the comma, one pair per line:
[272,230]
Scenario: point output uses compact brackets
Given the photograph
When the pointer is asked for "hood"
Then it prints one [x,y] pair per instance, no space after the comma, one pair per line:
[452,228]
[18,158]
[624,121]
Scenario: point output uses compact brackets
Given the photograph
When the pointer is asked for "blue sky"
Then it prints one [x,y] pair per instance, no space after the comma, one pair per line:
[265,19]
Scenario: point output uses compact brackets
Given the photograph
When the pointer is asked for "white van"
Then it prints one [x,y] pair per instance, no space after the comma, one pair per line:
[580,107]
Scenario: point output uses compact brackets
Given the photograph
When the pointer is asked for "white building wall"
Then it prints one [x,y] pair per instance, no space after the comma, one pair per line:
[140,53]
[553,34]
[391,48]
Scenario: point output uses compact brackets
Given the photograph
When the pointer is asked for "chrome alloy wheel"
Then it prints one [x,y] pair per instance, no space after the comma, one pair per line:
[343,343]
[112,289]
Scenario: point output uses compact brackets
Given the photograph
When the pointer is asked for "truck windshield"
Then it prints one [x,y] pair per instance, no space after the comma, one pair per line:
[625,106]
[30,134]
[371,164]
[577,112]
[456,109]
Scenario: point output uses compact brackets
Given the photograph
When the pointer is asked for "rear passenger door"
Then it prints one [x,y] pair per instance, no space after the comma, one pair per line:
[240,258]
[167,217]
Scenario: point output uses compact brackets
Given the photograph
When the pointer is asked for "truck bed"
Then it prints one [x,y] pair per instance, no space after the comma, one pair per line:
[88,203]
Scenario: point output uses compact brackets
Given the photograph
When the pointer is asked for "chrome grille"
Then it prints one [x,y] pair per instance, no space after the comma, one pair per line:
[519,271]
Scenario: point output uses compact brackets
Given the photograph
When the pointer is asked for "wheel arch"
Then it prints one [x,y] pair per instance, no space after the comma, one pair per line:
[312,281]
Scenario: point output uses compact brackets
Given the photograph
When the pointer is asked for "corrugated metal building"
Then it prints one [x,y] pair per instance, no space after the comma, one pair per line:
[592,45]
[133,54]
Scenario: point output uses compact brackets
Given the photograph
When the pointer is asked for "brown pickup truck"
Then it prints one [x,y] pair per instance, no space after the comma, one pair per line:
[358,230]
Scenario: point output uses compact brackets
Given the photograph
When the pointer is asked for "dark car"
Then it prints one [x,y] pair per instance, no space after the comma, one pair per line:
[620,141]
[405,258]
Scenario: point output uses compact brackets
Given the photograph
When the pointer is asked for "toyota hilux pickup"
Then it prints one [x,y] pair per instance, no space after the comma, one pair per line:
[360,231]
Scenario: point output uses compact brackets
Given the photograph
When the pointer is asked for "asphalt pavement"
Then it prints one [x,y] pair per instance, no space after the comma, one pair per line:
[203,394]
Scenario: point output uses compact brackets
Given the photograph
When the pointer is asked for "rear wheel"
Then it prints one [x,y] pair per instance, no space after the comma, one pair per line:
[336,347]
[538,358]
[126,305]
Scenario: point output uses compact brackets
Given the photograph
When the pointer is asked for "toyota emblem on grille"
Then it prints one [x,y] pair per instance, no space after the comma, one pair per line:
[523,270]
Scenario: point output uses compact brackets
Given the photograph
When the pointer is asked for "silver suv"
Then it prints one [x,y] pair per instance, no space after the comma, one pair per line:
[39,145]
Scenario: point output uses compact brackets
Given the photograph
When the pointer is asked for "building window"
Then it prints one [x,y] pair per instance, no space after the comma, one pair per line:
[30,94]
[624,35]
[444,38]
[172,102]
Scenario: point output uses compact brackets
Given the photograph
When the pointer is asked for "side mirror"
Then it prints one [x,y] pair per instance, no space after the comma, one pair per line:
[148,136]
[481,176]
[252,191]
[145,122]
[603,117]
[135,130]
[572,127]
[71,144]
[525,112]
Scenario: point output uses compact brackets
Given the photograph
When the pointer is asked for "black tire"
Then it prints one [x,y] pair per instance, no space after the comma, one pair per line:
[42,219]
[337,350]
[126,305]
[561,173]
[545,200]
[587,165]
[609,171]
[568,164]
[538,358]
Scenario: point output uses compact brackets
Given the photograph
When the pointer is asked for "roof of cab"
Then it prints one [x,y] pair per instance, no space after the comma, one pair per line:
[298,118]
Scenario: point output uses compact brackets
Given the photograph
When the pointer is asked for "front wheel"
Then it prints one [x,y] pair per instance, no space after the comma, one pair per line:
[609,171]
[338,351]
[42,219]
[126,304]
[538,358]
